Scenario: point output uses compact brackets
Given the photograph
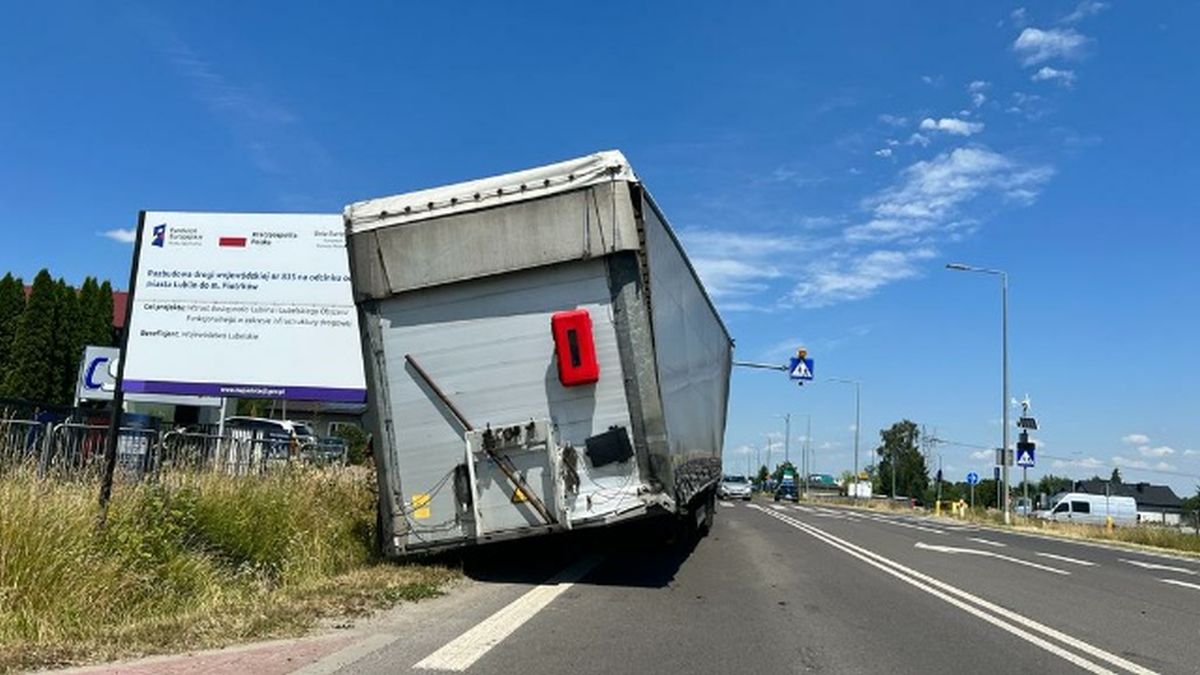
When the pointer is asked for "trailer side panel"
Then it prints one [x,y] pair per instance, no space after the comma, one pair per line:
[694,355]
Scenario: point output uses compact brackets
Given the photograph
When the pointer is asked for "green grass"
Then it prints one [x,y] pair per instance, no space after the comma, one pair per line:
[193,561]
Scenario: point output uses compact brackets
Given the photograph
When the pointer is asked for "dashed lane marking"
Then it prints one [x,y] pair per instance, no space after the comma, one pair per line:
[1177,582]
[989,554]
[1155,566]
[989,542]
[1063,558]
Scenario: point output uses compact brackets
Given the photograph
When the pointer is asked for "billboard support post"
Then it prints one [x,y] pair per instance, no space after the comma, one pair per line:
[114,422]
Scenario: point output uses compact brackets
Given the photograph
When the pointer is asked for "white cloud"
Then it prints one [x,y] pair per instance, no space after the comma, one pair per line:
[1160,451]
[950,125]
[1018,16]
[856,277]
[1065,78]
[125,236]
[983,454]
[976,89]
[893,142]
[883,152]
[931,191]
[1085,9]
[918,139]
[933,80]
[1135,439]
[735,266]
[1189,452]
[893,120]
[1035,45]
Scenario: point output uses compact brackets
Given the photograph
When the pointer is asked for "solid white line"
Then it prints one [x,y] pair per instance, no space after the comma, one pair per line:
[1180,583]
[1064,558]
[728,505]
[990,554]
[1154,566]
[989,542]
[911,576]
[780,507]
[463,651]
[803,509]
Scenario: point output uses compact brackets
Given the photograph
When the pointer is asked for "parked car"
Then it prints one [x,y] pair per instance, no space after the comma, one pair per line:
[734,487]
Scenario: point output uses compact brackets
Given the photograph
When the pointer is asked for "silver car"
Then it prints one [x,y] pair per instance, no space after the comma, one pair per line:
[734,487]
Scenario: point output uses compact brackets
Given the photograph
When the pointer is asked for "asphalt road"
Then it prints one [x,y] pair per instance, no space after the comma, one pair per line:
[787,588]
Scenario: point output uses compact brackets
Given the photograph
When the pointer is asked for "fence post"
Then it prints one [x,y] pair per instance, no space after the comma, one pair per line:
[47,441]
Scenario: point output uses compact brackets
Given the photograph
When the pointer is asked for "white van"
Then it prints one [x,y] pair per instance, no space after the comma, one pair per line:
[1078,507]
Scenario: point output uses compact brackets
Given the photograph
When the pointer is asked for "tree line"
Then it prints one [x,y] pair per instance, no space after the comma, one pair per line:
[42,336]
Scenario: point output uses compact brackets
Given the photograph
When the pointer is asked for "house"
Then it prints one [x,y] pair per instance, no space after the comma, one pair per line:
[1155,503]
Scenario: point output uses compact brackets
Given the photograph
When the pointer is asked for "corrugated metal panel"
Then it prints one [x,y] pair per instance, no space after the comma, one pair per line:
[694,356]
[488,346]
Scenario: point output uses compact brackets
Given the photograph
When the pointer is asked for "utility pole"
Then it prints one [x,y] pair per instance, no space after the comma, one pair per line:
[857,411]
[807,449]
[787,437]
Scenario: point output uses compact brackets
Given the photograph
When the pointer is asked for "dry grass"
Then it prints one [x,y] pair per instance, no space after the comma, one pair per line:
[195,561]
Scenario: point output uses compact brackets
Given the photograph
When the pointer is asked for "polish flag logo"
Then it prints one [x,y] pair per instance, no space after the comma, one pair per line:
[232,242]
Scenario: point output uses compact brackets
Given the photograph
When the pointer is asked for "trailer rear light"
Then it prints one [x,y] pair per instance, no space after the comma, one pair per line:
[575,347]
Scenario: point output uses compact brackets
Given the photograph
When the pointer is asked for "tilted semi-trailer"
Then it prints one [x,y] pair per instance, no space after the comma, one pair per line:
[540,356]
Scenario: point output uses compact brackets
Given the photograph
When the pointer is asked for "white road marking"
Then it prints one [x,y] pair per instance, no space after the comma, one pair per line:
[728,505]
[1064,558]
[781,507]
[803,509]
[989,542]
[1155,566]
[988,554]
[908,525]
[1180,583]
[463,651]
[986,611]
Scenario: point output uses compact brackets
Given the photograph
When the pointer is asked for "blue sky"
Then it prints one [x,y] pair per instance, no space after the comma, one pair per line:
[822,161]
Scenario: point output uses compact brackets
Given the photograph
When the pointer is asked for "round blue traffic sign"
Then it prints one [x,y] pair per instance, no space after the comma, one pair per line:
[972,478]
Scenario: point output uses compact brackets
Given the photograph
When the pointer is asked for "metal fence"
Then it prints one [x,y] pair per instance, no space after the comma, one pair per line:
[76,450]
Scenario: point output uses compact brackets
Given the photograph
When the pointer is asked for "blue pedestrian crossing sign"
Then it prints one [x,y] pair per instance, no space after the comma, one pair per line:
[972,478]
[1025,456]
[801,369]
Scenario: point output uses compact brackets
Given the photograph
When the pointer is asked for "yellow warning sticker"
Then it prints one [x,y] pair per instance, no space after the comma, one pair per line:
[519,496]
[420,504]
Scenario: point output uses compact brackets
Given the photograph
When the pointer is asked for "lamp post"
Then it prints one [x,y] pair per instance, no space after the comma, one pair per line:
[959,267]
[857,410]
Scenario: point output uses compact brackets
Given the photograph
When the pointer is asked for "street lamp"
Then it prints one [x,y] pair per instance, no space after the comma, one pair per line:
[959,267]
[857,409]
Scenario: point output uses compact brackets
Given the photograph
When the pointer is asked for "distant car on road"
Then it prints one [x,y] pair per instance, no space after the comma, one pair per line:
[787,491]
[734,487]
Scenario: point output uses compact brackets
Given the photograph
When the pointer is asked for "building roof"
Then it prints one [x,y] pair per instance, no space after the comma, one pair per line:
[1145,494]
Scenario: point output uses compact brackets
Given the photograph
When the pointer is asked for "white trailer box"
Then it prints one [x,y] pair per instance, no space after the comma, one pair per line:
[488,422]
